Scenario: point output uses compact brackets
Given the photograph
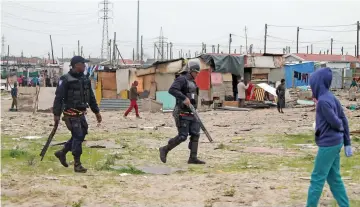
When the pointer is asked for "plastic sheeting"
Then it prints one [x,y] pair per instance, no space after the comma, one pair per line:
[225,63]
[300,68]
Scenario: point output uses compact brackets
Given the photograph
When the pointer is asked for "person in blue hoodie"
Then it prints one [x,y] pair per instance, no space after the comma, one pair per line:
[332,132]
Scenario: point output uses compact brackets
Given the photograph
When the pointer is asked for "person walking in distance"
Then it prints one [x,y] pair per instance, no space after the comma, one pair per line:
[331,134]
[73,96]
[280,92]
[133,96]
[241,87]
[14,94]
[186,92]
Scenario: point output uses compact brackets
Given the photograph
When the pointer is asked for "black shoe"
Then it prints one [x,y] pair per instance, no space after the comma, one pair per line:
[79,168]
[195,161]
[163,153]
[61,155]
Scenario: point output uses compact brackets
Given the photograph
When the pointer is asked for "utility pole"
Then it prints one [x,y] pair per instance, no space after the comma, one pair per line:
[8,57]
[105,34]
[78,47]
[82,54]
[109,55]
[297,40]
[133,54]
[142,50]
[241,49]
[311,49]
[230,40]
[265,38]
[246,40]
[52,50]
[307,49]
[342,50]
[114,51]
[331,46]
[137,37]
[205,48]
[154,51]
[355,50]
[171,50]
[62,55]
[213,48]
[358,31]
[167,51]
[218,49]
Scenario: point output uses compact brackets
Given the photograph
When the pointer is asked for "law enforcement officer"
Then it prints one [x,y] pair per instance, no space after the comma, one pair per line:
[73,96]
[186,92]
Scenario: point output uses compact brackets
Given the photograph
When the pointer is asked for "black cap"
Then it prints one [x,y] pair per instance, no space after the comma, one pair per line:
[78,59]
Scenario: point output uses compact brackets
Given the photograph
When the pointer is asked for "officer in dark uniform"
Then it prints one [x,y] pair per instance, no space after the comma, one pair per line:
[186,92]
[73,96]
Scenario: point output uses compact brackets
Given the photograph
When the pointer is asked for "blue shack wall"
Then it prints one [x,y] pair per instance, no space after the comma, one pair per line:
[166,99]
[300,68]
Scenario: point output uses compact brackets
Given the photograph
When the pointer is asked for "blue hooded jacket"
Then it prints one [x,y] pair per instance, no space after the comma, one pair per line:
[331,124]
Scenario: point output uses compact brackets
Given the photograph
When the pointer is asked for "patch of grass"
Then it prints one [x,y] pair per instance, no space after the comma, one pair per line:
[16,153]
[31,160]
[222,146]
[230,192]
[352,203]
[356,139]
[77,203]
[290,141]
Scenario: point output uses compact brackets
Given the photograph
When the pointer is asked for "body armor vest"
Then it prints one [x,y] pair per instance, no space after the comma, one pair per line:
[192,94]
[78,92]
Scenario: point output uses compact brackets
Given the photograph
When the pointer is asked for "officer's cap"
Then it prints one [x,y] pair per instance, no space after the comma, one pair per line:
[78,59]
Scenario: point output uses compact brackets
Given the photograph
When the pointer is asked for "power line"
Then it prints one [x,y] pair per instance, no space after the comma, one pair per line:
[44,11]
[322,30]
[42,32]
[344,25]
[43,22]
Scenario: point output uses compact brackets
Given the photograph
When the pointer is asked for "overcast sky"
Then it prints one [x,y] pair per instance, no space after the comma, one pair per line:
[26,25]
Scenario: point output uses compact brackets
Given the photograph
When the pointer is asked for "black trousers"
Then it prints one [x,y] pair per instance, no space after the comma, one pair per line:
[79,129]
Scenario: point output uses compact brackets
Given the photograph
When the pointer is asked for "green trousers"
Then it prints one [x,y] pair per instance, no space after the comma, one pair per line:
[327,168]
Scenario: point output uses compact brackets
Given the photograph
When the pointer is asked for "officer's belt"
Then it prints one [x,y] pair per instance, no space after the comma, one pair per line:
[186,114]
[74,112]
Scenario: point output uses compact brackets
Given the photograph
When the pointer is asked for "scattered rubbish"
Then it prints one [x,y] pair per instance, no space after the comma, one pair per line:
[355,132]
[159,170]
[110,144]
[51,178]
[353,107]
[246,130]
[310,146]
[124,174]
[31,137]
[222,125]
[305,102]
[230,108]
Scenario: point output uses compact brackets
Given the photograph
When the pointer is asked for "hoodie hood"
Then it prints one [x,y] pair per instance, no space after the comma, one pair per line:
[320,81]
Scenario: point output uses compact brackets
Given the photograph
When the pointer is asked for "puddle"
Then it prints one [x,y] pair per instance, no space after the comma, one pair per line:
[110,144]
[159,170]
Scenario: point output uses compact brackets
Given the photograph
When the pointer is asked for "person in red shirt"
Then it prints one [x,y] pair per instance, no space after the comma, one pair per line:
[133,96]
[20,80]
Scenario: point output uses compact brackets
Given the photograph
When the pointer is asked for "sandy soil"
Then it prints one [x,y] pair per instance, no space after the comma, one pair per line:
[254,161]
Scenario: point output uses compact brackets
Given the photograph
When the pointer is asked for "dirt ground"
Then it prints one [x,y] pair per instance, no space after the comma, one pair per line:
[258,158]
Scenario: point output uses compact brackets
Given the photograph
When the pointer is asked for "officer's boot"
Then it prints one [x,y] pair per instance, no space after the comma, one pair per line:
[193,146]
[77,166]
[61,155]
[165,149]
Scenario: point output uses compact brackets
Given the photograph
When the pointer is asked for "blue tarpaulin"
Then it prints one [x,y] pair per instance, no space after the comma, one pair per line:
[298,70]
[166,99]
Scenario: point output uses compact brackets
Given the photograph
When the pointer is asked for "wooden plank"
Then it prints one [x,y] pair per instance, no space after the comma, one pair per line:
[231,103]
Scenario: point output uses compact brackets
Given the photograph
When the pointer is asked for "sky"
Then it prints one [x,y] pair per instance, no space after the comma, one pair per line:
[26,25]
